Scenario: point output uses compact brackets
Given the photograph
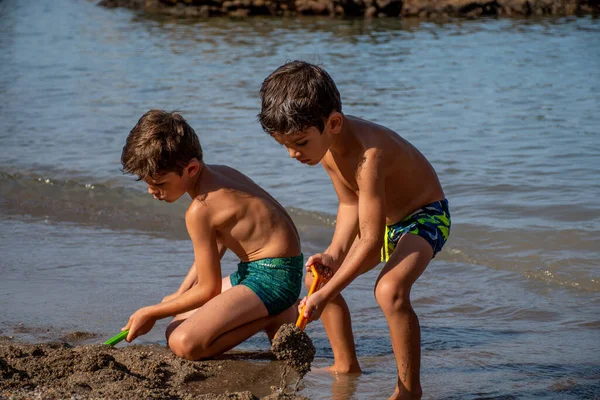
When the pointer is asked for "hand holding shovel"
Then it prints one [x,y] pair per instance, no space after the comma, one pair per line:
[321,274]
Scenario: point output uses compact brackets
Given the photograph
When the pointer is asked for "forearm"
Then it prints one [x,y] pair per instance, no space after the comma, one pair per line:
[346,230]
[189,280]
[193,298]
[362,253]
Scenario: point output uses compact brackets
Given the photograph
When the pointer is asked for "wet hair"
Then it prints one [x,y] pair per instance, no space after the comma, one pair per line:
[160,142]
[297,96]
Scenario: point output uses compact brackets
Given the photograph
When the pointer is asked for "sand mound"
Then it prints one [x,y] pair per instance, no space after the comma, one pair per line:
[294,346]
[59,370]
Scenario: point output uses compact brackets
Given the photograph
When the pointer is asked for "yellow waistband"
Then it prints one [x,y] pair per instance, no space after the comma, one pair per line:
[385,252]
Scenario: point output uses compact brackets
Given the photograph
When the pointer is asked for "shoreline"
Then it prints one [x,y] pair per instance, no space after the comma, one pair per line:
[423,9]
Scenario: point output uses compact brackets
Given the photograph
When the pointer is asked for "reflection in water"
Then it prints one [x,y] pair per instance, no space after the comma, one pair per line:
[343,386]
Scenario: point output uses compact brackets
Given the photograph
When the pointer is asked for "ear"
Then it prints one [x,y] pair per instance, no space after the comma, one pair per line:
[193,167]
[334,122]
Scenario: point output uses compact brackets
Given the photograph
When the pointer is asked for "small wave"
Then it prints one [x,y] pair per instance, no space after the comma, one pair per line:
[122,208]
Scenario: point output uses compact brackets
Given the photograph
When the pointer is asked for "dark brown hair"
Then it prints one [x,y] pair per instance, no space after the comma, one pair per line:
[297,96]
[161,142]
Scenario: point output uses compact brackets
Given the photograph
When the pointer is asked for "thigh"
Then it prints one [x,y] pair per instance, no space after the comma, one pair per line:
[225,285]
[232,308]
[408,261]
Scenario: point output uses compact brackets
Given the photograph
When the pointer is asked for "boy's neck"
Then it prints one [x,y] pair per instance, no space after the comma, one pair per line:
[194,184]
[343,142]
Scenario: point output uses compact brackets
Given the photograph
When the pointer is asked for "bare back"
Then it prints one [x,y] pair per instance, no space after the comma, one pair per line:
[247,220]
[410,180]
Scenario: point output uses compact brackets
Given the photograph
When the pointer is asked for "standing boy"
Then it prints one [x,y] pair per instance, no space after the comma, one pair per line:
[391,208]
[228,211]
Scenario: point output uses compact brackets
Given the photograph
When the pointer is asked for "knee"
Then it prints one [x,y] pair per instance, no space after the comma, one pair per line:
[183,345]
[392,297]
[170,328]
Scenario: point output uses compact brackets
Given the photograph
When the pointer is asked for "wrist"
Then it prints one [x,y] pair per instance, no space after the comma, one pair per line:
[152,311]
[327,292]
[333,252]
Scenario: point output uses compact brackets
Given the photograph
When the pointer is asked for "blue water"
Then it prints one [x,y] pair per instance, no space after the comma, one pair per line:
[506,110]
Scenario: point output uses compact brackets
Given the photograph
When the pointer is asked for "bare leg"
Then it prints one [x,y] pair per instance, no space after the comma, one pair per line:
[219,325]
[178,319]
[392,291]
[338,327]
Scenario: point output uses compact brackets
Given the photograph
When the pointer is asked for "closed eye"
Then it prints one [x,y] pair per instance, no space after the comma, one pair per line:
[302,143]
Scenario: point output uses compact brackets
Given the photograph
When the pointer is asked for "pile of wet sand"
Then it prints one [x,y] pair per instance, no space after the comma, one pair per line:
[59,370]
[294,347]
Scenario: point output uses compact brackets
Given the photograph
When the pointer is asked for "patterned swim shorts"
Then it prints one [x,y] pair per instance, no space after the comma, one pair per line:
[431,222]
[276,281]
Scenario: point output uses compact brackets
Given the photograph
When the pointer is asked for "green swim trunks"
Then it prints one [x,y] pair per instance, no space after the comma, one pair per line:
[276,281]
[432,222]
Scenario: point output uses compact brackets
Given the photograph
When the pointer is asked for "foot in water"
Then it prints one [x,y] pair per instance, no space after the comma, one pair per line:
[337,369]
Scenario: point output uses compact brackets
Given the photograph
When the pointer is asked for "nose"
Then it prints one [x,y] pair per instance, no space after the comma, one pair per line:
[293,153]
[152,191]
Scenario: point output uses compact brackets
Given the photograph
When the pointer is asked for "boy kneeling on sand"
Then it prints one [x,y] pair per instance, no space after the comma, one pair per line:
[228,211]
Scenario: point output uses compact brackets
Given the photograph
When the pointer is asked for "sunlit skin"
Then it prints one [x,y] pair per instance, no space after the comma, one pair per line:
[168,187]
[379,179]
[229,211]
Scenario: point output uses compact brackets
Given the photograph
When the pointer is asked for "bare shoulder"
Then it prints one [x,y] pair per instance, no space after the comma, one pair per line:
[382,143]
[370,158]
[198,211]
[231,173]
[372,134]
[371,169]
[226,193]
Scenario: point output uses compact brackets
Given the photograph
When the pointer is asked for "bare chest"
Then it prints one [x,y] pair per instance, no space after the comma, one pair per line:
[347,171]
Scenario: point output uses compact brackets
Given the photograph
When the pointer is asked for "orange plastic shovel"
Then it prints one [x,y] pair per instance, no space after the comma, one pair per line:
[318,281]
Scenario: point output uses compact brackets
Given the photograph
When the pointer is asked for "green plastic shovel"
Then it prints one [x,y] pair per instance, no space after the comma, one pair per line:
[117,338]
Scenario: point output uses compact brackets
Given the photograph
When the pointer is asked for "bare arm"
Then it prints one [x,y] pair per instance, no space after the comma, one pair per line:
[371,220]
[207,271]
[192,276]
[188,281]
[346,223]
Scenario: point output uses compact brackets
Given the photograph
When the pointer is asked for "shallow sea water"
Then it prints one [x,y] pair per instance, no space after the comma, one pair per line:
[506,110]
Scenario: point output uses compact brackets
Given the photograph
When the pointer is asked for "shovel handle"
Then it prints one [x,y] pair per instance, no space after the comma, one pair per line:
[301,322]
[117,338]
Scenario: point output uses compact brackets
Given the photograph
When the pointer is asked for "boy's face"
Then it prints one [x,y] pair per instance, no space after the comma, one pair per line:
[168,187]
[308,147]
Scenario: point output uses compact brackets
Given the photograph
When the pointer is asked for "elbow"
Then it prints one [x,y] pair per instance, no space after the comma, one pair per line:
[373,245]
[210,292]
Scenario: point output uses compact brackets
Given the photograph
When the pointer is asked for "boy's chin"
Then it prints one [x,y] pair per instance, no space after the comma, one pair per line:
[310,162]
[165,200]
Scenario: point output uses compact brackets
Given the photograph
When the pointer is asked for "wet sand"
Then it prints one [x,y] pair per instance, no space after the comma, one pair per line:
[65,369]
[294,347]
